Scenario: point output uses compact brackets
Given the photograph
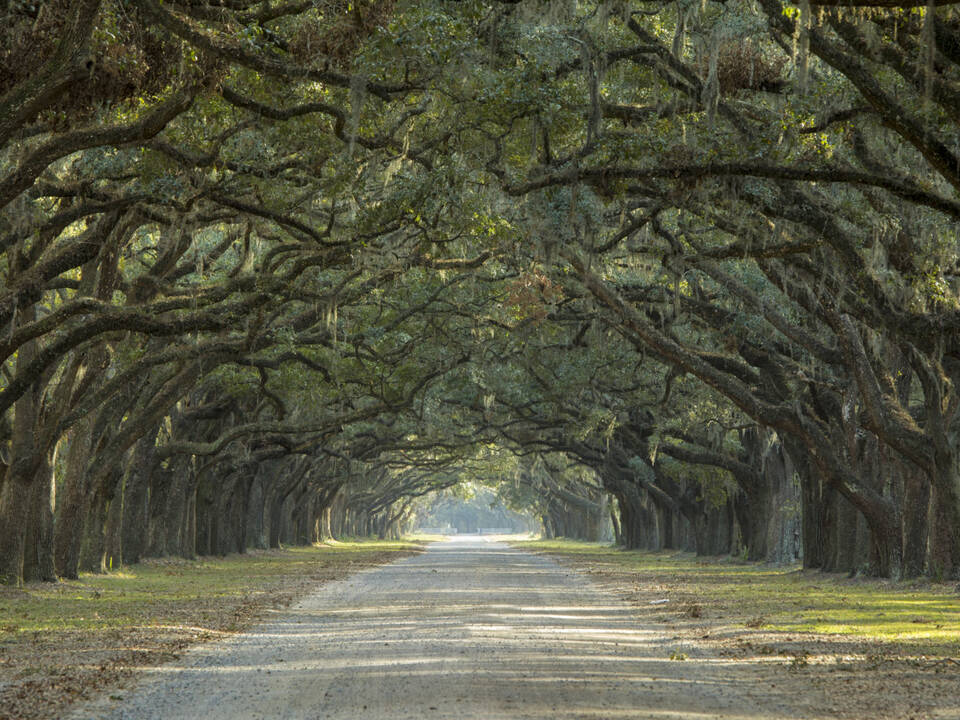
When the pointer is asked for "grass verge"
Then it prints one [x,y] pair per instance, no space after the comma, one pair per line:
[844,647]
[917,617]
[64,641]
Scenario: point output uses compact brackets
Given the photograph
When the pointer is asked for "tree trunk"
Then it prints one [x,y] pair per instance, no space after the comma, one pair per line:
[665,525]
[916,508]
[18,488]
[92,543]
[326,527]
[113,536]
[38,557]
[843,557]
[615,521]
[945,519]
[754,513]
[70,513]
[14,504]
[136,499]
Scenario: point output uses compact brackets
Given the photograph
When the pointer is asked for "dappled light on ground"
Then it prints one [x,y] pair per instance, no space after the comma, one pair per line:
[62,642]
[468,630]
[922,617]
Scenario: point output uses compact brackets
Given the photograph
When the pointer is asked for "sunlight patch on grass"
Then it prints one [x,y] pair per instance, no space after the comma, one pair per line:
[150,592]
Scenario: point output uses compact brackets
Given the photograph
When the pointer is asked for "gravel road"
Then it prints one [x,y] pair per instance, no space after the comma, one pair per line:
[470,629]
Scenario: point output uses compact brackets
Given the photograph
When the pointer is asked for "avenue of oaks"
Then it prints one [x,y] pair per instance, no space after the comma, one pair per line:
[276,271]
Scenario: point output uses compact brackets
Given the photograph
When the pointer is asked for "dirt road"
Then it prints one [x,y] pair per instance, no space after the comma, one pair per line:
[472,630]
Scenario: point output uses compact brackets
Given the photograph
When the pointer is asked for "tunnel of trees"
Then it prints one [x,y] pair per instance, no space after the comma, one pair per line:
[274,271]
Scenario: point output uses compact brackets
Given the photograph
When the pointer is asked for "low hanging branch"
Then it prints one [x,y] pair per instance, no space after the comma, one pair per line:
[261,63]
[30,168]
[603,175]
[134,320]
[318,428]
[266,428]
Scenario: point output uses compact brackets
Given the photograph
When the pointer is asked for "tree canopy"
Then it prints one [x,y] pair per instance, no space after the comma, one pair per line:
[275,270]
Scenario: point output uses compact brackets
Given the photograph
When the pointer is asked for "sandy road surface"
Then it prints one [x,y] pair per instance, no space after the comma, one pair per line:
[471,630]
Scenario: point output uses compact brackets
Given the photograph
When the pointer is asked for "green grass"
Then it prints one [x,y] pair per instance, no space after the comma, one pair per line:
[918,614]
[176,591]
[63,641]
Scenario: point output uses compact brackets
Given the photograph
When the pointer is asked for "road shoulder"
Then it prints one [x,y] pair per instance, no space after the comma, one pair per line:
[796,625]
